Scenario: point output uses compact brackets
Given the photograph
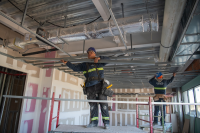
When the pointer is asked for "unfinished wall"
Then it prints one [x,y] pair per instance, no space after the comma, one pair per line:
[125,114]
[71,112]
[28,121]
[34,113]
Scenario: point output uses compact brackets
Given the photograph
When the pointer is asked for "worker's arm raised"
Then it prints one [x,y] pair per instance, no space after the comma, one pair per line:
[79,67]
[101,58]
[151,80]
[96,60]
[171,79]
[63,61]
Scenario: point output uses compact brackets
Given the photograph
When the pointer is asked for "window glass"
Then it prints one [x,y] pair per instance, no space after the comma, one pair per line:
[197,98]
[191,100]
[175,101]
[185,100]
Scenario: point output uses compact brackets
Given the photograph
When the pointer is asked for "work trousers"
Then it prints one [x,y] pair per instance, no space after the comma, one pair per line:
[94,93]
[156,111]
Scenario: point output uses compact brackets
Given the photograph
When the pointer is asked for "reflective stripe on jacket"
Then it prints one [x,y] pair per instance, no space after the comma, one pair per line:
[160,87]
[91,72]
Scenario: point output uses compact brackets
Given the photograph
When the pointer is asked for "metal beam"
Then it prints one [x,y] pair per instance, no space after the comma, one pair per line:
[63,40]
[24,14]
[102,9]
[133,56]
[141,62]
[140,70]
[186,43]
[39,52]
[136,50]
[195,34]
[7,55]
[131,67]
[128,71]
[114,20]
[122,5]
[103,101]
[83,46]
[47,41]
[49,63]
[61,66]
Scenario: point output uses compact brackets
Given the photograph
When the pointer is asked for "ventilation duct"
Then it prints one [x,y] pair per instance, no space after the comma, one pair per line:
[96,30]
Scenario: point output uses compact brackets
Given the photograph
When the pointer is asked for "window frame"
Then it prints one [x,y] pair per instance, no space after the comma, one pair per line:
[186,105]
[195,99]
[192,89]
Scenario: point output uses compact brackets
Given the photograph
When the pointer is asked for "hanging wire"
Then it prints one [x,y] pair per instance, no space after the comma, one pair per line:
[48,21]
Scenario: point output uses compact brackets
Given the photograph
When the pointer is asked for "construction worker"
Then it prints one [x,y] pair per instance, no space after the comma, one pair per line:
[94,74]
[160,86]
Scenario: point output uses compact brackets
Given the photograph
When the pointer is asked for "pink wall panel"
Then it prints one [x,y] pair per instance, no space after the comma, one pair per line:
[28,124]
[43,110]
[32,92]
[49,55]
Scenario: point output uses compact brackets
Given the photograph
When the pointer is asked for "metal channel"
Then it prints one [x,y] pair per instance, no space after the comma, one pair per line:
[114,20]
[24,14]
[145,62]
[103,101]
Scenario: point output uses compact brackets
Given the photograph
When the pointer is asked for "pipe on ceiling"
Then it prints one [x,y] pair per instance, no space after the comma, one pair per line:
[172,16]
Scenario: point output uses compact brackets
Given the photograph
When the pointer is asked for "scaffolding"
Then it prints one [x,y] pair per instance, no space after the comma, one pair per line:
[131,128]
[51,112]
[150,125]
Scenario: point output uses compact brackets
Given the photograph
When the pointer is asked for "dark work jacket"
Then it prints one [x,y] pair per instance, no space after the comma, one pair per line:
[160,87]
[92,70]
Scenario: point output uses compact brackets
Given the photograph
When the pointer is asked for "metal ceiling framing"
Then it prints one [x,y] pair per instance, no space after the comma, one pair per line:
[76,11]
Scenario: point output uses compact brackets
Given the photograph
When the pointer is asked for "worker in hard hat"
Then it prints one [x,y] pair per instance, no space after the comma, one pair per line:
[160,86]
[94,74]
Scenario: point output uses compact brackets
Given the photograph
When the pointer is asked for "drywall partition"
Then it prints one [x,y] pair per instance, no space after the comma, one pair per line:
[41,83]
[34,113]
[45,92]
[71,112]
[29,110]
[28,121]
[125,114]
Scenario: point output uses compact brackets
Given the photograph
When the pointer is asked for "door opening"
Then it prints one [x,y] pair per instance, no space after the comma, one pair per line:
[11,83]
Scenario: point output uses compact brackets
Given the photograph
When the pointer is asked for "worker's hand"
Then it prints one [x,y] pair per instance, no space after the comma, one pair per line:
[63,61]
[96,59]
[154,76]
[174,74]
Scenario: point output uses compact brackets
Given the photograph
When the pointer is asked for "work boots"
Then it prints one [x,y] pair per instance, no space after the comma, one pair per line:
[106,126]
[92,124]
